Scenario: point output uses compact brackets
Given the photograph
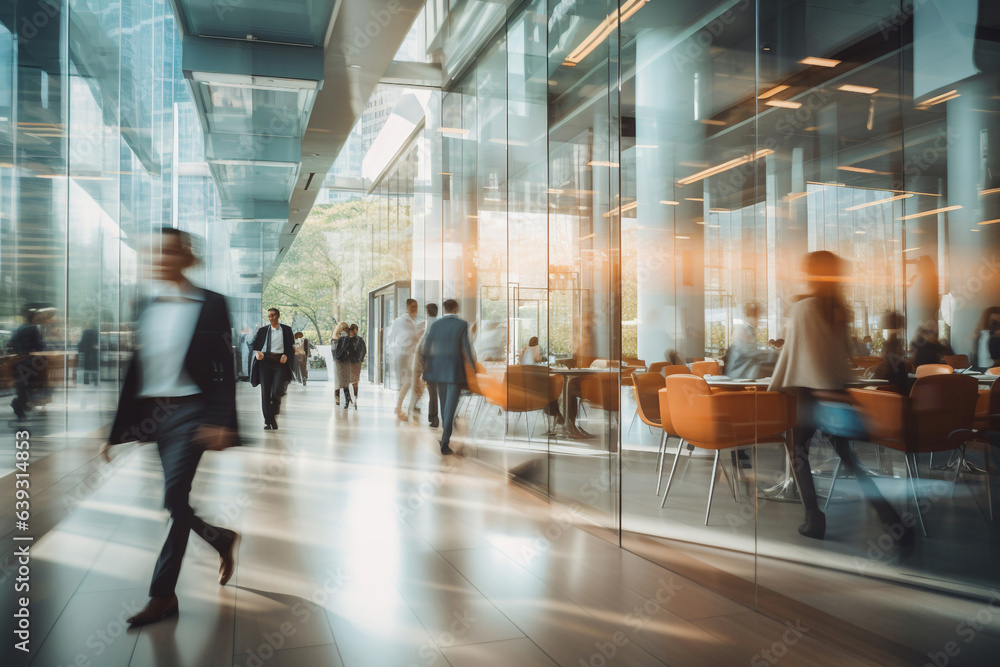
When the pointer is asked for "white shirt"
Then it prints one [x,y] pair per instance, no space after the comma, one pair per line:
[277,341]
[404,335]
[166,329]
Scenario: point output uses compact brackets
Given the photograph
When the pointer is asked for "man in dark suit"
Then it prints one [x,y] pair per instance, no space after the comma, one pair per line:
[446,352]
[274,349]
[180,390]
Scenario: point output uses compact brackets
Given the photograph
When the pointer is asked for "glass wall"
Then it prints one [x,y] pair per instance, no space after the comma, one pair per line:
[98,145]
[637,185]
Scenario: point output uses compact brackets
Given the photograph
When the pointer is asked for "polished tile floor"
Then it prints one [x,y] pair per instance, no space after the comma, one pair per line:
[363,547]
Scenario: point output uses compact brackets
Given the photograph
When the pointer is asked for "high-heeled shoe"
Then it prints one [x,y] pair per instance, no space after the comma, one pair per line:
[814,527]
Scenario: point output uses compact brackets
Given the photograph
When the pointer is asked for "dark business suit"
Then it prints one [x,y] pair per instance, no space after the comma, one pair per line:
[446,351]
[272,376]
[29,372]
[172,423]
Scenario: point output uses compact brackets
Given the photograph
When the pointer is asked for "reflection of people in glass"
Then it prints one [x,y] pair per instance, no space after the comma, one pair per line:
[87,351]
[925,348]
[815,362]
[532,355]
[893,365]
[180,390]
[29,371]
[402,343]
[987,345]
[743,359]
[246,353]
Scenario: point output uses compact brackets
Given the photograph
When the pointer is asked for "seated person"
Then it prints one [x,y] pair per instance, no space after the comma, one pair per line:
[925,348]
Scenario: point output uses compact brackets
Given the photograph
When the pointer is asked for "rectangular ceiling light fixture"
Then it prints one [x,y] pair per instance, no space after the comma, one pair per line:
[667,202]
[725,166]
[990,222]
[603,29]
[935,211]
[601,163]
[773,91]
[863,170]
[820,62]
[626,207]
[784,104]
[255,82]
[943,97]
[858,207]
[864,90]
[452,130]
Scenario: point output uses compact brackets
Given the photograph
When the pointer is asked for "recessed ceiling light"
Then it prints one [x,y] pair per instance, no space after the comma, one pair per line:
[820,62]
[865,90]
[773,91]
[355,66]
[784,104]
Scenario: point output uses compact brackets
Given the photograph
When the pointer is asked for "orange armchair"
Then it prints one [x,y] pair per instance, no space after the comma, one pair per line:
[523,389]
[937,407]
[707,367]
[925,370]
[724,420]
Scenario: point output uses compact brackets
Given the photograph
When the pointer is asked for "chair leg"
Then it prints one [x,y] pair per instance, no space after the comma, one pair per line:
[958,470]
[711,486]
[989,478]
[912,478]
[673,469]
[659,460]
[634,417]
[833,482]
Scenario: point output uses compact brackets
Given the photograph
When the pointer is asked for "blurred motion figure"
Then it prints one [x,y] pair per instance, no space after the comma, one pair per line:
[181,381]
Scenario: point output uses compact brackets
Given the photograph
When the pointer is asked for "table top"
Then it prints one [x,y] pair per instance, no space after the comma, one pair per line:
[766,382]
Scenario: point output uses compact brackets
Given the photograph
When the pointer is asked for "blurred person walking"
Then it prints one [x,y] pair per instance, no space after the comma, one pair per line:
[182,381]
[342,364]
[273,346]
[356,356]
[447,352]
[402,344]
[303,350]
[419,363]
[814,366]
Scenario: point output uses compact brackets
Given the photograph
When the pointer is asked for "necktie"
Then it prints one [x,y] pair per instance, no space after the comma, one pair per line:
[268,347]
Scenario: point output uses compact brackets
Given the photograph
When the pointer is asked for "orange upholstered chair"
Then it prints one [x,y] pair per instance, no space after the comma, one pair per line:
[926,370]
[923,422]
[707,367]
[724,420]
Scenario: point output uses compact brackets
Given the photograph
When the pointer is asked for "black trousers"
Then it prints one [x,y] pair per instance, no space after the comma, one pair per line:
[179,457]
[272,388]
[433,399]
[449,393]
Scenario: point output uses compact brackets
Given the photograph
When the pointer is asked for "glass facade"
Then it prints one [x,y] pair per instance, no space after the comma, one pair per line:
[637,183]
[99,144]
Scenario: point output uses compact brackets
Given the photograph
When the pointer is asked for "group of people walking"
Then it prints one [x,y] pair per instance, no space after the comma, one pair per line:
[432,354]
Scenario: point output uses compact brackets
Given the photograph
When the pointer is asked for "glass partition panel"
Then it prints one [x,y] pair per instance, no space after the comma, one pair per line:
[583,176]
[693,260]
